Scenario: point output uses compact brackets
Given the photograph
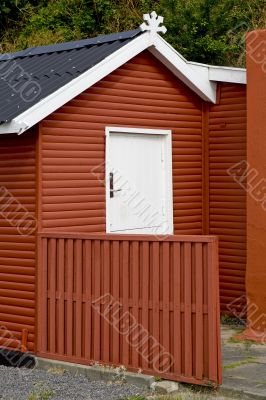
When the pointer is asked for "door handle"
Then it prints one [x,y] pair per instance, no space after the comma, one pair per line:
[111,175]
[112,190]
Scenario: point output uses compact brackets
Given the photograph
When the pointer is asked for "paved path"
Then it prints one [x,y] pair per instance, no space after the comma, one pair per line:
[244,367]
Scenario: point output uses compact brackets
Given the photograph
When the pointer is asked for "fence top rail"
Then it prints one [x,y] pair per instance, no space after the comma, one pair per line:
[123,237]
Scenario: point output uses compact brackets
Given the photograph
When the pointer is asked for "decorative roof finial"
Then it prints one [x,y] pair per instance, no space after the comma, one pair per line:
[153,23]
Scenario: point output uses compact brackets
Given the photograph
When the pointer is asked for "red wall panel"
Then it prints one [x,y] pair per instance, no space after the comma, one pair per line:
[17,237]
[142,93]
[227,146]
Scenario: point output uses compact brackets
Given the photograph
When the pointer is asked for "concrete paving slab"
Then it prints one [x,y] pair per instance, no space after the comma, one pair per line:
[244,369]
[241,388]
[252,372]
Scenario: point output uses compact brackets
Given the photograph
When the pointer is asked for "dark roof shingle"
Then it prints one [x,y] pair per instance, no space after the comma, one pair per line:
[28,76]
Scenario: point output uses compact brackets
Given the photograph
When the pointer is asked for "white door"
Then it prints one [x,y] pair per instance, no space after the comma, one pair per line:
[138,190]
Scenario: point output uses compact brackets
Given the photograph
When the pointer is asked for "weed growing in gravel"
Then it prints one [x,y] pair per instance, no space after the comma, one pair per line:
[57,370]
[183,396]
[41,393]
[158,379]
[169,398]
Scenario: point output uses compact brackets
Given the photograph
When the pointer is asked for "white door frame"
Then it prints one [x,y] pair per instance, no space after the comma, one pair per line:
[167,164]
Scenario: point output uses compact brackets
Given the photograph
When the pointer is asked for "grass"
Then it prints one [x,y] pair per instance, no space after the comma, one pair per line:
[183,396]
[137,397]
[240,363]
[232,321]
[41,392]
[247,343]
[179,397]
[244,341]
[57,370]
[158,379]
[44,395]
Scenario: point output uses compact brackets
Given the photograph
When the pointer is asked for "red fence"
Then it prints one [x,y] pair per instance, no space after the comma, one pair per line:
[150,304]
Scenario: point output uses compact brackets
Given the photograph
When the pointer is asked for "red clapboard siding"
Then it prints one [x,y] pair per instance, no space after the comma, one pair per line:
[142,93]
[17,242]
[150,304]
[227,146]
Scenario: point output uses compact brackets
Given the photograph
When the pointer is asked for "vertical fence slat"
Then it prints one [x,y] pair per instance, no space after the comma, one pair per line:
[117,311]
[96,265]
[125,299]
[177,310]
[145,303]
[78,272]
[106,294]
[199,311]
[144,277]
[88,300]
[61,292]
[187,310]
[215,266]
[165,298]
[69,271]
[155,301]
[135,302]
[52,286]
[212,288]
[42,295]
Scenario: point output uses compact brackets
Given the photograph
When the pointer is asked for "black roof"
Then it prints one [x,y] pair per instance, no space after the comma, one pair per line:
[30,75]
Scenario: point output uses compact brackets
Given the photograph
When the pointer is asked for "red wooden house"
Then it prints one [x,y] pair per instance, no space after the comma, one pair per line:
[129,111]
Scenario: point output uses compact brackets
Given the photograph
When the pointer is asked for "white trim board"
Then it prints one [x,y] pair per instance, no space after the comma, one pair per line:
[194,77]
[198,82]
[221,74]
[144,131]
[168,171]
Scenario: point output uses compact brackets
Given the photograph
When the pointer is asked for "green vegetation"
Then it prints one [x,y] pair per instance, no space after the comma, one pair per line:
[232,321]
[246,342]
[240,363]
[56,370]
[209,31]
[41,392]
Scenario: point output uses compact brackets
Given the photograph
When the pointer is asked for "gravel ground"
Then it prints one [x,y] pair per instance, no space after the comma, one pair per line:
[36,384]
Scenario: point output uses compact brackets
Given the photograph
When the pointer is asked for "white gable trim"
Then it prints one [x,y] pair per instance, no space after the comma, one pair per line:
[181,68]
[221,74]
[197,80]
[230,75]
[13,127]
